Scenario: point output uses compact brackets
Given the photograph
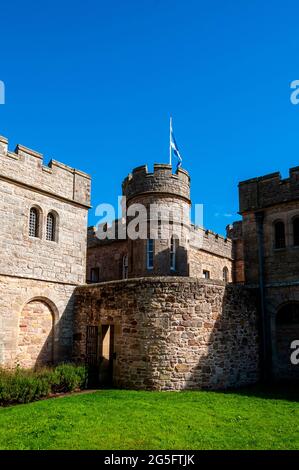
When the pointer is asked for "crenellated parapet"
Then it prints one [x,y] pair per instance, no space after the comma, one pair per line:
[268,190]
[162,180]
[25,166]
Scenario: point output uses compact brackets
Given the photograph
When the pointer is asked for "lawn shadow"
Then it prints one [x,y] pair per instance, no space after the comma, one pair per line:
[275,390]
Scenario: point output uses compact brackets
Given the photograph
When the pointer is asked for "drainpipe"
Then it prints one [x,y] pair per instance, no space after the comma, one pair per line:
[266,332]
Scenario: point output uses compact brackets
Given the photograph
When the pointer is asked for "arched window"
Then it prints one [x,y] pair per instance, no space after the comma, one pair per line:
[50,229]
[150,254]
[279,234]
[225,274]
[125,267]
[33,222]
[296,231]
[172,254]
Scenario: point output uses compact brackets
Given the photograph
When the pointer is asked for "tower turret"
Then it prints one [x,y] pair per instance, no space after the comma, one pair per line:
[161,202]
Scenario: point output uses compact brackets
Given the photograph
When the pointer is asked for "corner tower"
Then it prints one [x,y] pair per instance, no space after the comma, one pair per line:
[161,201]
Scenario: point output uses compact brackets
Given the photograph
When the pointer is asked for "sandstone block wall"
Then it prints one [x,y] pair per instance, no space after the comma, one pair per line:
[281,264]
[36,321]
[108,258]
[173,333]
[200,261]
[24,183]
[26,166]
[162,180]
[37,276]
[268,190]
[283,334]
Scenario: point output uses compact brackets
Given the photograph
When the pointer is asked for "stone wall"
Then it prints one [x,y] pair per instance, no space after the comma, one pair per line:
[173,333]
[162,180]
[200,261]
[25,333]
[38,276]
[166,199]
[280,264]
[213,255]
[268,190]
[275,199]
[21,255]
[235,234]
[26,166]
[108,258]
[279,297]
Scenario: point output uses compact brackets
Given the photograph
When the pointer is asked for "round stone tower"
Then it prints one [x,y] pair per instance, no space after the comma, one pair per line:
[158,221]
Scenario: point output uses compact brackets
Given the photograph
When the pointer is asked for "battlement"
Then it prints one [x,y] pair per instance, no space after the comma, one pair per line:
[162,180]
[234,230]
[25,166]
[214,243]
[268,190]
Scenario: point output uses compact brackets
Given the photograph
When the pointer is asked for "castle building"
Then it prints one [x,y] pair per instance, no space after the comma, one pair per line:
[43,255]
[170,316]
[269,206]
[166,199]
[176,307]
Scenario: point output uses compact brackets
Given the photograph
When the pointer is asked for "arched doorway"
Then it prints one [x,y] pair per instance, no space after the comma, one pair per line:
[287,330]
[35,345]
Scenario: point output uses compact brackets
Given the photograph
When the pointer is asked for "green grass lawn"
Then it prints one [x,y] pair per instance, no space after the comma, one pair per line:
[119,419]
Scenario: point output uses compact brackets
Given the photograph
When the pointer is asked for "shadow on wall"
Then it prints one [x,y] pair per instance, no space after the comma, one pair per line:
[164,262]
[43,338]
[173,333]
[285,334]
[231,354]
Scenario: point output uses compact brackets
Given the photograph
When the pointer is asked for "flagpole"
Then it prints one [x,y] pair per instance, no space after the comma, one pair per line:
[170,126]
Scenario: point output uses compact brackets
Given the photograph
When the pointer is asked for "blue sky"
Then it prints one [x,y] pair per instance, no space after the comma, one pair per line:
[93,83]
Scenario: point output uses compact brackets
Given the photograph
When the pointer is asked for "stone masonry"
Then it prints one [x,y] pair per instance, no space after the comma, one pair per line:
[173,333]
[186,309]
[37,276]
[163,194]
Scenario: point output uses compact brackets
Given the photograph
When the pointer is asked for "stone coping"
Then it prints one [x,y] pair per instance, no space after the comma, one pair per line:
[156,280]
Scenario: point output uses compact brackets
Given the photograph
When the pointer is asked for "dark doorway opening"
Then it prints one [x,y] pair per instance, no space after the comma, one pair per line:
[92,355]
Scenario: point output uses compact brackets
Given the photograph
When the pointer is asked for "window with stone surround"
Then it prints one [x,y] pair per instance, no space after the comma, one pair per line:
[51,227]
[206,274]
[172,254]
[125,267]
[225,274]
[279,235]
[94,275]
[34,222]
[150,254]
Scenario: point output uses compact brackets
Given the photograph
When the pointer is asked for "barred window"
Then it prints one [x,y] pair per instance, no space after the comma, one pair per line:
[33,222]
[50,229]
[279,235]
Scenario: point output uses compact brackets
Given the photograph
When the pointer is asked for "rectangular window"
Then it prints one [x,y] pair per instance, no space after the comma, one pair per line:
[150,254]
[94,274]
[125,267]
[172,254]
[206,274]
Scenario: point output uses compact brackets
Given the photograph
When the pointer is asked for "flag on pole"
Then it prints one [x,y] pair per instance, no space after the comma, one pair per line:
[173,147]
